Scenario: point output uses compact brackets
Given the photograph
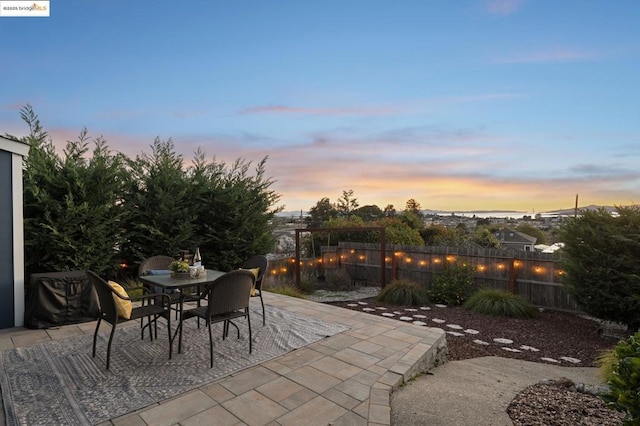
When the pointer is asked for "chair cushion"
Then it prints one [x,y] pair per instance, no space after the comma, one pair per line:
[158,272]
[256,272]
[123,307]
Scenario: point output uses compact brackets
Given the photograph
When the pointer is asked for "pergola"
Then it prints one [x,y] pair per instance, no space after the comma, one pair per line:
[383,242]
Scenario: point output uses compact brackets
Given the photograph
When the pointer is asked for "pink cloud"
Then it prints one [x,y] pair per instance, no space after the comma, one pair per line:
[503,7]
[16,106]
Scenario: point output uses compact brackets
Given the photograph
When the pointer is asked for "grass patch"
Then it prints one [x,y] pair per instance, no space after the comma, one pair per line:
[605,362]
[403,292]
[499,303]
[287,290]
[133,286]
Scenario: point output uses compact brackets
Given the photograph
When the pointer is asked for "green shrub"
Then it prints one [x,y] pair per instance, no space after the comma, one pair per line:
[499,303]
[403,292]
[624,384]
[453,285]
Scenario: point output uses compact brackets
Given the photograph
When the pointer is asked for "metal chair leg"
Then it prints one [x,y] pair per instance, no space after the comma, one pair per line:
[95,335]
[113,331]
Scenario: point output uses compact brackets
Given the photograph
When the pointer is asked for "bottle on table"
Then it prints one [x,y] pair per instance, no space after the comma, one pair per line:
[197,260]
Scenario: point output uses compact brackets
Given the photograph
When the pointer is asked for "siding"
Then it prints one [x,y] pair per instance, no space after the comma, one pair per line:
[6,241]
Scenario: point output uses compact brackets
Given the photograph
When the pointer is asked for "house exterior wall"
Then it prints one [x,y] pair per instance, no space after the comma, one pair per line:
[12,302]
[6,241]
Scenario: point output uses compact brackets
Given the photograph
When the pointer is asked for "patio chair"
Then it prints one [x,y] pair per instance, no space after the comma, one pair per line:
[156,265]
[261,263]
[227,299]
[111,310]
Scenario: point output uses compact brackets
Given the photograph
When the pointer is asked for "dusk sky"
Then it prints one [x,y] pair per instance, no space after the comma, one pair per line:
[460,105]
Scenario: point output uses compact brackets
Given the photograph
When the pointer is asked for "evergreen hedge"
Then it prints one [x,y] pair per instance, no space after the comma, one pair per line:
[99,209]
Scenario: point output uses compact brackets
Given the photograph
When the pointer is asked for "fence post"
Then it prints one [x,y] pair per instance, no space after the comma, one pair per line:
[511,283]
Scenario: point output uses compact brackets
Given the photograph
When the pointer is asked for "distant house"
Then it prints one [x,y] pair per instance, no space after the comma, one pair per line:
[543,248]
[515,240]
[12,154]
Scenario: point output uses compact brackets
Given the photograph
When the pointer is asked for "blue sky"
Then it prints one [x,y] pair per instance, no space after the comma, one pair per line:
[460,105]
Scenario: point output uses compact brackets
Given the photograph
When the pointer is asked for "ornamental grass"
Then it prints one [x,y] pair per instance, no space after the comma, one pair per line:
[403,292]
[499,303]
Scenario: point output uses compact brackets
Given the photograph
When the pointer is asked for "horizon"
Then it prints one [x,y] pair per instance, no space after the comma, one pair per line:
[480,104]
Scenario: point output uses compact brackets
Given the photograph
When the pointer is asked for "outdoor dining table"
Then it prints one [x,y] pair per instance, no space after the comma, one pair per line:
[167,282]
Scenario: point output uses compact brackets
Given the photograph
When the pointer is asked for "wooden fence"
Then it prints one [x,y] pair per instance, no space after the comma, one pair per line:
[534,276]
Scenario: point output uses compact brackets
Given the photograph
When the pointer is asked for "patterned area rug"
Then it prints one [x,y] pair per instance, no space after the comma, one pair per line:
[60,383]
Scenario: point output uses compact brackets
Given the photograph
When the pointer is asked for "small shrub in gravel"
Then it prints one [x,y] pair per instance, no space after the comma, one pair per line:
[499,303]
[453,285]
[403,292]
[625,380]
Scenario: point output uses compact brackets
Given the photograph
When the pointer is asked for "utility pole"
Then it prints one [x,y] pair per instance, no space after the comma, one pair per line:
[575,210]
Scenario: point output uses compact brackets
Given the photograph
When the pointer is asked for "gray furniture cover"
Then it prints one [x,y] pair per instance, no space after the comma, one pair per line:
[59,298]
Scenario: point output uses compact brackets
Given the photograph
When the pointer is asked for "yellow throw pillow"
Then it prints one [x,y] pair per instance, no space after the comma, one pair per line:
[255,272]
[123,307]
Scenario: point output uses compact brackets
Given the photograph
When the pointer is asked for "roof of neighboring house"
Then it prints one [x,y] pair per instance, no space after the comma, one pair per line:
[509,236]
[14,146]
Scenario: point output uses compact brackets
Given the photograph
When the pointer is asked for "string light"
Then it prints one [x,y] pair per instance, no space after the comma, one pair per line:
[407,259]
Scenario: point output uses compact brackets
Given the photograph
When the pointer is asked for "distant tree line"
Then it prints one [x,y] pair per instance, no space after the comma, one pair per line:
[100,209]
[404,227]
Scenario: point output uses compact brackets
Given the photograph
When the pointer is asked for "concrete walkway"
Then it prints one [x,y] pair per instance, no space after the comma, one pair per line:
[475,391]
[346,379]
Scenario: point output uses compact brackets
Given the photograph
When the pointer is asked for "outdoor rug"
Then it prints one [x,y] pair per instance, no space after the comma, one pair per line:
[59,383]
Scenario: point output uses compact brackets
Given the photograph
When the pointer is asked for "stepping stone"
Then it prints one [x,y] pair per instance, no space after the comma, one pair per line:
[411,310]
[503,341]
[388,314]
[438,320]
[529,348]
[571,360]
[352,305]
[455,333]
[425,308]
[406,319]
[419,323]
[549,359]
[362,303]
[455,326]
[438,305]
[480,342]
[419,316]
[382,308]
[368,309]
[511,349]
[398,313]
[471,331]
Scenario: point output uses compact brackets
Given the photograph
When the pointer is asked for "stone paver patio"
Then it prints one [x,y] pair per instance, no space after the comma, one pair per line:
[342,380]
